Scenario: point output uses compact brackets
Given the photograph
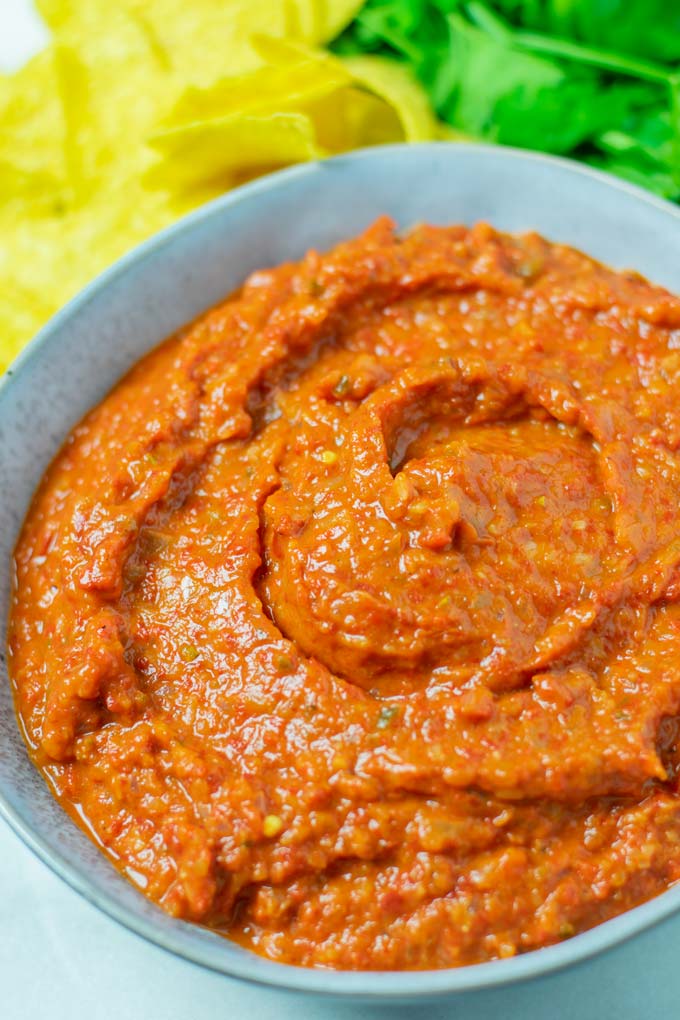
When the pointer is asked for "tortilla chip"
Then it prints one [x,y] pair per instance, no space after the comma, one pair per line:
[140,110]
[217,150]
[201,39]
[31,131]
[299,104]
[396,84]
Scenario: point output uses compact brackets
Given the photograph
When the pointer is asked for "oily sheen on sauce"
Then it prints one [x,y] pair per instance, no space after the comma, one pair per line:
[349,620]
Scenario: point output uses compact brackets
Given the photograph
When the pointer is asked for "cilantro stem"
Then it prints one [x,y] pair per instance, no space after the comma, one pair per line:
[489,21]
[603,59]
[675,125]
[376,24]
[564,49]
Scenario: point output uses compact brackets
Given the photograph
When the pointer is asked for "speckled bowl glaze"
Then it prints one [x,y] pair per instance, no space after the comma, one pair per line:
[164,283]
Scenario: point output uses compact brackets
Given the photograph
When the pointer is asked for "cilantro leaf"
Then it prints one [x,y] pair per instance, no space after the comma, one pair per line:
[644,28]
[594,79]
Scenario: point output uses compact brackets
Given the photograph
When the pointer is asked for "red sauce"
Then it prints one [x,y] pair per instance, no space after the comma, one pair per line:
[348,623]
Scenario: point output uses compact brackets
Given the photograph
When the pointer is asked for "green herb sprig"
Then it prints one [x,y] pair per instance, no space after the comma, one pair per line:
[598,80]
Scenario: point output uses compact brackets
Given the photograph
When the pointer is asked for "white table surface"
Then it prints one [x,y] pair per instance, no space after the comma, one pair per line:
[60,959]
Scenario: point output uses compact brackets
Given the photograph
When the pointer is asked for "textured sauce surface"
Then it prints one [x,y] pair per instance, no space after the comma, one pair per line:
[349,623]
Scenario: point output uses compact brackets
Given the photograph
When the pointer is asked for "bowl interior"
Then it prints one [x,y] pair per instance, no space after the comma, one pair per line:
[168,281]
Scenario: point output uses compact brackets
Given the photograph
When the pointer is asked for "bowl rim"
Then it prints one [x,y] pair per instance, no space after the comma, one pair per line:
[379,986]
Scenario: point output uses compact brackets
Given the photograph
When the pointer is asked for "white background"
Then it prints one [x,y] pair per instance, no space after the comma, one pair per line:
[21,33]
[60,959]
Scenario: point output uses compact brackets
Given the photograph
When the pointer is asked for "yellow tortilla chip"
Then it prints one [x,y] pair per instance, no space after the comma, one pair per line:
[300,104]
[202,39]
[139,110]
[213,152]
[47,259]
[201,24]
[31,131]
[345,118]
[114,88]
[303,76]
[396,84]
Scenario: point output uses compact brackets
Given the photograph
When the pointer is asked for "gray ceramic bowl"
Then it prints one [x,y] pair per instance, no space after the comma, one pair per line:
[78,357]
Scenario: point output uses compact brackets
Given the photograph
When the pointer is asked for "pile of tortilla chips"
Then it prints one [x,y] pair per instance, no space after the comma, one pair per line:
[139,110]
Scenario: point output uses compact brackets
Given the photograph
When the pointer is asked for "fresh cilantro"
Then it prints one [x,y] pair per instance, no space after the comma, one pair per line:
[595,79]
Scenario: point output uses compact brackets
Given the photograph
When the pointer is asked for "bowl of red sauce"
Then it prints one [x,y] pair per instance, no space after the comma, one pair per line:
[342,579]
